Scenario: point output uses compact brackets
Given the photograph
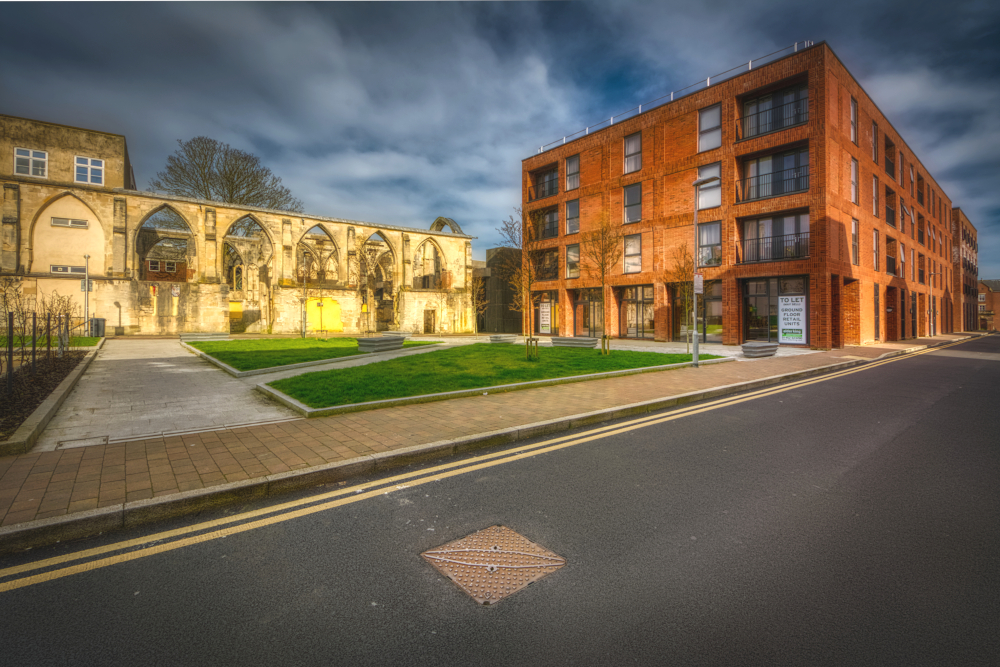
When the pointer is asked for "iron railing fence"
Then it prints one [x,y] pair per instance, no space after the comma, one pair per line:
[774,248]
[775,184]
[543,188]
[773,119]
[29,338]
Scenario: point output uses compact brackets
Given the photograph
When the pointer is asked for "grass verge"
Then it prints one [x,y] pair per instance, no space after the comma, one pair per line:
[253,354]
[467,367]
[74,341]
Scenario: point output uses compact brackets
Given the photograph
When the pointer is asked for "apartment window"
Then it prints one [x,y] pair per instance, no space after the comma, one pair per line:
[154,264]
[854,242]
[633,253]
[902,261]
[776,175]
[89,170]
[31,163]
[982,308]
[710,128]
[854,181]
[911,180]
[573,172]
[170,267]
[633,203]
[854,120]
[774,239]
[920,229]
[573,216]
[920,189]
[920,268]
[913,265]
[548,264]
[54,268]
[550,224]
[573,261]
[69,222]
[875,141]
[875,196]
[710,244]
[546,184]
[875,249]
[633,152]
[710,194]
[982,297]
[890,207]
[775,111]
[878,314]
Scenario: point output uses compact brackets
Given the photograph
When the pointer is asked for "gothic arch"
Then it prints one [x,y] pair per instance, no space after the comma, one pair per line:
[164,246]
[97,250]
[317,255]
[440,223]
[52,200]
[429,266]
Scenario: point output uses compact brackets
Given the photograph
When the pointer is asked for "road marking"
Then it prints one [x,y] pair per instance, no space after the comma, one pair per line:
[306,506]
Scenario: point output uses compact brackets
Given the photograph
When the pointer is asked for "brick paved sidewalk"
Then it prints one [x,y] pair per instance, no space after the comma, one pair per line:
[40,485]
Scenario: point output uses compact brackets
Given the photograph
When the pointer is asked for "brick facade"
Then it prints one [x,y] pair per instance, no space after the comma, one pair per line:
[965,273]
[840,294]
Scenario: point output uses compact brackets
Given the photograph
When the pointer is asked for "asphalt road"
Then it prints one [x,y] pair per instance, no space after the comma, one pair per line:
[847,521]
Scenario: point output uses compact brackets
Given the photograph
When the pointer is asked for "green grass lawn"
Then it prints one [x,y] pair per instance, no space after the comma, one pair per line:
[467,367]
[74,341]
[252,354]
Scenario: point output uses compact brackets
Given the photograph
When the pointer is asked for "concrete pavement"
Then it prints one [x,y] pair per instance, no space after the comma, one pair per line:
[53,486]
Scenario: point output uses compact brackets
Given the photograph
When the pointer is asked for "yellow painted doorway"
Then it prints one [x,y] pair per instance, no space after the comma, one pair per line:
[323,315]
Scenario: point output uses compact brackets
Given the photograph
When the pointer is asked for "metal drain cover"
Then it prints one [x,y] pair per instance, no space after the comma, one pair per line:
[493,563]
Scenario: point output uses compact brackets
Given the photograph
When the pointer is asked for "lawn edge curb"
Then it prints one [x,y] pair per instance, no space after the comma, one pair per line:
[277,369]
[88,523]
[27,433]
[308,412]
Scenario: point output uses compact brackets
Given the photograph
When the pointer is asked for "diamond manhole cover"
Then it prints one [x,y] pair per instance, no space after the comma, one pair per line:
[493,563]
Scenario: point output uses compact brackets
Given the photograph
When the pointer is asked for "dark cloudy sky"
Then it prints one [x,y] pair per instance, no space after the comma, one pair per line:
[399,113]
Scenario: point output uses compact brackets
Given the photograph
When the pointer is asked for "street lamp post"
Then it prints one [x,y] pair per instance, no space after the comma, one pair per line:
[694,313]
[86,293]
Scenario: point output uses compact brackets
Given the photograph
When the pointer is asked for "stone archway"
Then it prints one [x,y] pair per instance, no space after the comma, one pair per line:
[377,283]
[165,248]
[248,255]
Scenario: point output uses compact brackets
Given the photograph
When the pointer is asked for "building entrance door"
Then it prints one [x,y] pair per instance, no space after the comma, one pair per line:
[588,313]
[429,316]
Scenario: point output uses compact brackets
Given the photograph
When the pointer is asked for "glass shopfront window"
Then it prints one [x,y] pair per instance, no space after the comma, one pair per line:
[710,312]
[636,312]
[776,310]
[546,307]
[588,313]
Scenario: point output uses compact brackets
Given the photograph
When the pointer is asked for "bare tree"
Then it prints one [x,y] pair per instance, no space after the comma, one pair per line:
[203,168]
[478,300]
[601,250]
[520,268]
[680,274]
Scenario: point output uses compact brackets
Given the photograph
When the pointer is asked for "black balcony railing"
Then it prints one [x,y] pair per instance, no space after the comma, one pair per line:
[775,184]
[772,120]
[920,196]
[890,215]
[544,188]
[774,248]
[890,266]
[890,167]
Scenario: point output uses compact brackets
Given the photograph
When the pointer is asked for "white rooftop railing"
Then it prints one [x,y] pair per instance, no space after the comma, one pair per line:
[665,99]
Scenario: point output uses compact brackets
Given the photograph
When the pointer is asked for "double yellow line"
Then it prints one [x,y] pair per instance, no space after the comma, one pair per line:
[57,567]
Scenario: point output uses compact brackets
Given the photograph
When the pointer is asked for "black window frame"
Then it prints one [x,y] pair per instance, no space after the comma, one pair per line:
[636,155]
[570,265]
[633,188]
[575,204]
[626,254]
[571,174]
[716,253]
[706,131]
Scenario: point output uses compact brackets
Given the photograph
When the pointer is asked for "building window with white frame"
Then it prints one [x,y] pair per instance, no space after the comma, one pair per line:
[170,267]
[31,163]
[573,261]
[710,194]
[633,253]
[875,196]
[633,203]
[854,120]
[573,172]
[710,244]
[875,142]
[88,170]
[710,128]
[573,216]
[854,243]
[154,264]
[854,181]
[70,222]
[633,152]
[982,297]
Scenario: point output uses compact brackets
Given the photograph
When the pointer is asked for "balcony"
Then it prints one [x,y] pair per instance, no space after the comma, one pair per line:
[774,184]
[774,248]
[772,120]
[543,189]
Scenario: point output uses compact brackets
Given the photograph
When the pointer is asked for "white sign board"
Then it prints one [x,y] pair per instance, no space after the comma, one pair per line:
[175,290]
[792,319]
[545,318]
[699,283]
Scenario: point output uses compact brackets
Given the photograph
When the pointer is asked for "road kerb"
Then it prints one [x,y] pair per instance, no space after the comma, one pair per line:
[42,532]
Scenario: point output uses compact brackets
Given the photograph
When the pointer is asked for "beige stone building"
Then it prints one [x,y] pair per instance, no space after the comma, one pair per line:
[163,265]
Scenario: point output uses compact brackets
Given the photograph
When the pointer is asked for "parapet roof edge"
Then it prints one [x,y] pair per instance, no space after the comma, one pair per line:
[70,127]
[287,214]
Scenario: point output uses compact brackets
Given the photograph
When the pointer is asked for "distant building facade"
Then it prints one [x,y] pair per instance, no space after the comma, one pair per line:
[822,228]
[965,273]
[167,265]
[987,305]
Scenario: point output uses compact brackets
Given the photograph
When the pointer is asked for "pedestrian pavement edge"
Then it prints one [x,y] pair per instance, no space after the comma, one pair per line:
[305,410]
[27,433]
[44,532]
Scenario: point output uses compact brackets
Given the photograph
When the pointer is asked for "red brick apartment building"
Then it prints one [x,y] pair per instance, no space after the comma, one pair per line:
[965,259]
[824,230]
[988,304]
